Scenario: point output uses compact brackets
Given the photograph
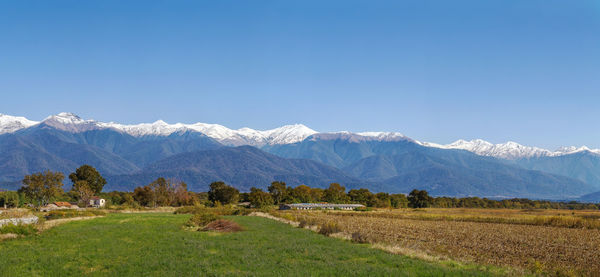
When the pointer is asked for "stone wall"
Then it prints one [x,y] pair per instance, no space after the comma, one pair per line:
[17,221]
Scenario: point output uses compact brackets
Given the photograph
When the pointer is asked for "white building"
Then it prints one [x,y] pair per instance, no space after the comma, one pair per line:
[97,202]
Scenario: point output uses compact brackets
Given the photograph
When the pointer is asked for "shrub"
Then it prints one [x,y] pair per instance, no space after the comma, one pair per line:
[189,210]
[202,219]
[222,225]
[21,229]
[73,213]
[329,228]
[359,237]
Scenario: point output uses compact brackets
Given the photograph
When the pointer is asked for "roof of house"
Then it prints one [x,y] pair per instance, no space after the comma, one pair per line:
[323,205]
[96,198]
[62,204]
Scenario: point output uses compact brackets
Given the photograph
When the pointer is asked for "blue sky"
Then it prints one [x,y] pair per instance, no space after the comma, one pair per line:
[527,71]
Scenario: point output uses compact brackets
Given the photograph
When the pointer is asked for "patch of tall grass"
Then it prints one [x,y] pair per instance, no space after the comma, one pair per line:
[20,229]
[73,213]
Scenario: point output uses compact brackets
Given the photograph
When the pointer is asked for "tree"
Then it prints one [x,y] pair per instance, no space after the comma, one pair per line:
[278,191]
[419,199]
[260,199]
[9,199]
[222,193]
[316,194]
[84,192]
[43,187]
[382,200]
[164,191]
[181,195]
[144,196]
[89,174]
[399,200]
[335,194]
[362,196]
[302,194]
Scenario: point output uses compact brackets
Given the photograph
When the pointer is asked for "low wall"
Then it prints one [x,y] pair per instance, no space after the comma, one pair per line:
[17,221]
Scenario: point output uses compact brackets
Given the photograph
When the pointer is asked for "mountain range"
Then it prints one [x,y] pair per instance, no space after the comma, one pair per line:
[199,153]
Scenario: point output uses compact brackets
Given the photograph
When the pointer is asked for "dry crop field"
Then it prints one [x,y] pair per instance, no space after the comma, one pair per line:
[561,242]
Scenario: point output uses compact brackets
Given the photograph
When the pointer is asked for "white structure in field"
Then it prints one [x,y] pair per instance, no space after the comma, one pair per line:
[322,206]
[97,202]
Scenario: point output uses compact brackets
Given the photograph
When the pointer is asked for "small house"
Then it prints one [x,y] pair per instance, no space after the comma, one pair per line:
[320,206]
[97,202]
[58,206]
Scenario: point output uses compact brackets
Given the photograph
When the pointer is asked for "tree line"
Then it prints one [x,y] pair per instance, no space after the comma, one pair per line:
[42,188]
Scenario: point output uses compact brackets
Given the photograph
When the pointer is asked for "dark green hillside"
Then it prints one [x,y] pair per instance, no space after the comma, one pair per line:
[584,166]
[243,167]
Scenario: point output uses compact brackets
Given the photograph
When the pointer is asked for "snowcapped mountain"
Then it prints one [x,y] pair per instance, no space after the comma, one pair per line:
[287,134]
[244,136]
[360,137]
[509,150]
[10,124]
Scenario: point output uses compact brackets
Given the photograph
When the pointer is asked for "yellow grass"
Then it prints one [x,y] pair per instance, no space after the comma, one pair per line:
[559,242]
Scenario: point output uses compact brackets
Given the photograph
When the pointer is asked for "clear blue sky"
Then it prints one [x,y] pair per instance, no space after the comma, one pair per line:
[527,71]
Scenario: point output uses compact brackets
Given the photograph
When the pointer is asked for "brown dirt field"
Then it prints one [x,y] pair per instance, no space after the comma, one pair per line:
[531,247]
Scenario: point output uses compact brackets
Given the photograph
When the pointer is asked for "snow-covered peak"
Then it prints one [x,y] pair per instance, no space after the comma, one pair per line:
[11,124]
[70,122]
[508,150]
[157,128]
[222,134]
[288,134]
[66,118]
[573,149]
[360,137]
[384,136]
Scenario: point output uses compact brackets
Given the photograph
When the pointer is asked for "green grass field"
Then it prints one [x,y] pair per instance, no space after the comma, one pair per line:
[157,245]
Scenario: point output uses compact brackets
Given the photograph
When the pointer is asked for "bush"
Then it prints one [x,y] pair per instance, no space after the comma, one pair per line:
[21,229]
[329,228]
[359,237]
[189,210]
[73,213]
[202,219]
[222,225]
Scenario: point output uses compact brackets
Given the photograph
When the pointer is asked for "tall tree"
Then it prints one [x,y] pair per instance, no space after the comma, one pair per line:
[84,192]
[43,187]
[9,199]
[399,200]
[278,191]
[260,199]
[302,194]
[419,199]
[222,193]
[164,191]
[335,194]
[89,174]
[362,196]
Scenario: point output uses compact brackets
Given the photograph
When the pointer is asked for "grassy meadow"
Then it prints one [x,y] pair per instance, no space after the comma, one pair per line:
[156,244]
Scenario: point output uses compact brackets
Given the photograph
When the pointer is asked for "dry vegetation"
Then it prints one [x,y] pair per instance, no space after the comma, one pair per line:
[14,213]
[222,225]
[559,242]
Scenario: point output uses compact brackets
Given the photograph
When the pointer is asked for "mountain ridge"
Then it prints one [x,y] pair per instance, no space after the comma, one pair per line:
[287,134]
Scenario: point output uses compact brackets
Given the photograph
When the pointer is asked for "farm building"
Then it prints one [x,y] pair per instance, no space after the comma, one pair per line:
[323,206]
[97,202]
[58,206]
